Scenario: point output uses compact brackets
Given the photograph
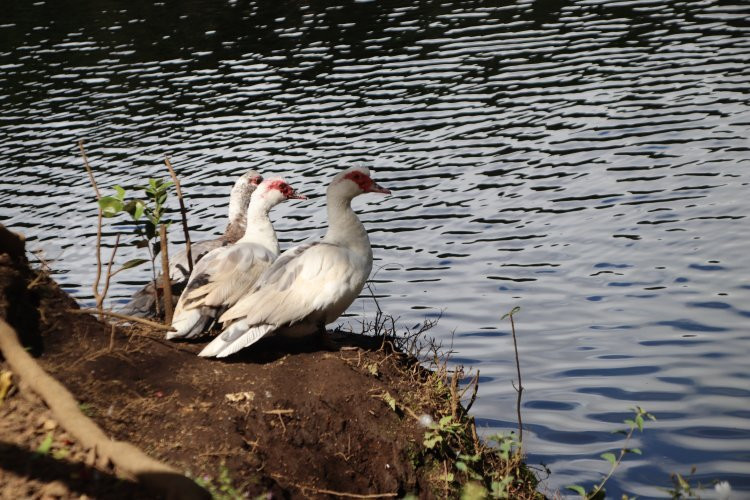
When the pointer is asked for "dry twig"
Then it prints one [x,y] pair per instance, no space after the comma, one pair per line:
[518,389]
[165,282]
[152,324]
[183,213]
[99,298]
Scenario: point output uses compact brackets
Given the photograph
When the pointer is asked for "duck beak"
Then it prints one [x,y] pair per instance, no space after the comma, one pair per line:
[296,196]
[377,188]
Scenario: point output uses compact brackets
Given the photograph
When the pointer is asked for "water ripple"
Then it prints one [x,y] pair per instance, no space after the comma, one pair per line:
[586,160]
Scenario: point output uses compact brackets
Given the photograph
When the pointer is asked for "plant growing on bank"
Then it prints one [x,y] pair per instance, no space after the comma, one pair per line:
[146,215]
[598,491]
[222,488]
[519,388]
[148,219]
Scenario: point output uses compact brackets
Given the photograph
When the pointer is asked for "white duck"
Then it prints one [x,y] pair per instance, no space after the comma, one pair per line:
[239,199]
[309,285]
[227,273]
[142,303]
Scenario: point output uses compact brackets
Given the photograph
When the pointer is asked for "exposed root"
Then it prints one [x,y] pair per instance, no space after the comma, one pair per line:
[126,457]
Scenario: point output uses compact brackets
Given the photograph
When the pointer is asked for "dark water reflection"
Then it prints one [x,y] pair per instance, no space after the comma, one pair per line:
[586,160]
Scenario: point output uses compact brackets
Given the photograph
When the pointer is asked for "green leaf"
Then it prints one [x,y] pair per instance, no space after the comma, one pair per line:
[682,482]
[639,422]
[462,466]
[46,444]
[511,313]
[446,477]
[637,451]
[132,263]
[609,457]
[431,441]
[135,208]
[599,495]
[473,491]
[390,400]
[499,487]
[120,192]
[445,421]
[150,229]
[470,458]
[578,489]
[110,206]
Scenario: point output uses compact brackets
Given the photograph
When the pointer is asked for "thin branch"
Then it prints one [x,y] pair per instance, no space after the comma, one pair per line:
[475,384]
[95,287]
[183,213]
[88,168]
[165,282]
[152,324]
[109,272]
[344,494]
[518,389]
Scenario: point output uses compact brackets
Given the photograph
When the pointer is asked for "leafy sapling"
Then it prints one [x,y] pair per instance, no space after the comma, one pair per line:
[147,215]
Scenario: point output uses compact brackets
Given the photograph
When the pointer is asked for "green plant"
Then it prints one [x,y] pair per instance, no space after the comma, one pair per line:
[147,216]
[598,492]
[481,482]
[86,409]
[46,445]
[221,489]
[681,486]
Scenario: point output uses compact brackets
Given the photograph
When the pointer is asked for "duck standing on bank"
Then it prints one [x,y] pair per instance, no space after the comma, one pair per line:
[309,285]
[226,274]
[143,302]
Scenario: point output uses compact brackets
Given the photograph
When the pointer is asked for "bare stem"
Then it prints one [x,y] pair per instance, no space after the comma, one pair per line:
[165,282]
[153,277]
[88,168]
[100,302]
[183,213]
[152,324]
[95,287]
[518,389]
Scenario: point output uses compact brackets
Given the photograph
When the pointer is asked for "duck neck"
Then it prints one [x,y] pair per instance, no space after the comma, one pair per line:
[345,228]
[259,229]
[235,229]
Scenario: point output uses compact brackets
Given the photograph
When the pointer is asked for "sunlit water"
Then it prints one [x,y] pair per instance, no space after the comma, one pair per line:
[586,161]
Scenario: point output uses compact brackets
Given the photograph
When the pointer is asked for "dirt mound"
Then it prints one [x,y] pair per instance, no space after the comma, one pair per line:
[299,420]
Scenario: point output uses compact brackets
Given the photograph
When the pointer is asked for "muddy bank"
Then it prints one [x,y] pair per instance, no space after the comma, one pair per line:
[290,421]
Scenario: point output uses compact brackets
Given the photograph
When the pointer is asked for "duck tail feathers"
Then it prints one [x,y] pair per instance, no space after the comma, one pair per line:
[237,336]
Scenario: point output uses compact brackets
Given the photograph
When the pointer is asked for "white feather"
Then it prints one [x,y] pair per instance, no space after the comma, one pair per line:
[236,337]
[309,285]
[226,274]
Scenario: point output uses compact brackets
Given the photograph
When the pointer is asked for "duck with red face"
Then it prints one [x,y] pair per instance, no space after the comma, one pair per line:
[310,285]
[143,301]
[226,274]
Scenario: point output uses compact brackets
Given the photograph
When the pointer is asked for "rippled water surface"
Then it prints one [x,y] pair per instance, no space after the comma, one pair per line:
[584,160]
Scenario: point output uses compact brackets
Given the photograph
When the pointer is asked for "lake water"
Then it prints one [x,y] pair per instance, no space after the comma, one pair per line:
[585,160]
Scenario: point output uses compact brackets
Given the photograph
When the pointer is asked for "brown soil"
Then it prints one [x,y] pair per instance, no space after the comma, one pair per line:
[293,420]
[302,420]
